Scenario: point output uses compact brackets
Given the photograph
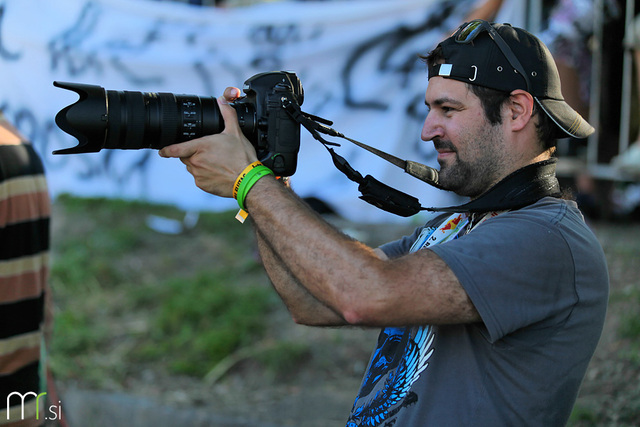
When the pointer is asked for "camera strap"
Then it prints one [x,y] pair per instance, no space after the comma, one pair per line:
[316,125]
[373,191]
[521,188]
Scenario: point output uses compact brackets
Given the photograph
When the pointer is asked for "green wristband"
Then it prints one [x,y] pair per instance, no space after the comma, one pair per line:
[249,181]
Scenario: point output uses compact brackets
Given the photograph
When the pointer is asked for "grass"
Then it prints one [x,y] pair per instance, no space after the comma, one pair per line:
[629,327]
[127,295]
[202,320]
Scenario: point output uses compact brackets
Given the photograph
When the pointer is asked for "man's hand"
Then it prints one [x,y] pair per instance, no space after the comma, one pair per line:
[215,161]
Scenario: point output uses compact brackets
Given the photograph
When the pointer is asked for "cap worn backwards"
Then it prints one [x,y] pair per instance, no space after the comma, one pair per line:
[480,60]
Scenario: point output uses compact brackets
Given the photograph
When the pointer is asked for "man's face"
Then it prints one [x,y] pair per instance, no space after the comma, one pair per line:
[471,151]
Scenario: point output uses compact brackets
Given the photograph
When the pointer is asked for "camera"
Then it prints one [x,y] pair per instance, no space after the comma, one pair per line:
[128,120]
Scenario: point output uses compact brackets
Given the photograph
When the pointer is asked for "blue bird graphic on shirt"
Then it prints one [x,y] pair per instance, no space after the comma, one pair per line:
[399,369]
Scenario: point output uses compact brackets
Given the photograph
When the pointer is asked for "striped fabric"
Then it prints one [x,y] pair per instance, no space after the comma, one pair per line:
[24,266]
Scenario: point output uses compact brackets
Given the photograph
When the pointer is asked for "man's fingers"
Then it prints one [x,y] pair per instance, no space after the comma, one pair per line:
[231,94]
[183,149]
[229,117]
[231,127]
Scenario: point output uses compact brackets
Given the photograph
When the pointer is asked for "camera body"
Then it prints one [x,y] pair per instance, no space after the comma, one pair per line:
[276,135]
[109,119]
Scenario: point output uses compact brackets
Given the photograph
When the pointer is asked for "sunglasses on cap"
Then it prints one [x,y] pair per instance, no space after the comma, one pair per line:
[466,33]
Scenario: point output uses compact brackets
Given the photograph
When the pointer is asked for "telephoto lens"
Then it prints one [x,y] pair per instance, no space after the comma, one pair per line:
[133,120]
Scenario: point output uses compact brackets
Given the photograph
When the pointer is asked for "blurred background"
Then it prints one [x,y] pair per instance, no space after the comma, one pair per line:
[357,61]
[162,313]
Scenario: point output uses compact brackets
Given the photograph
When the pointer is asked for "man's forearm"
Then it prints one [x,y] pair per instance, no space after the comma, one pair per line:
[328,264]
[304,307]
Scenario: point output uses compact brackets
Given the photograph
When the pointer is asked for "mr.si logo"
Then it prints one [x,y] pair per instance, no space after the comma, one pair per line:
[54,411]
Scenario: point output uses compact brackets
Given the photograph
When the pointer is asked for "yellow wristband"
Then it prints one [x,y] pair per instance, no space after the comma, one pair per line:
[244,173]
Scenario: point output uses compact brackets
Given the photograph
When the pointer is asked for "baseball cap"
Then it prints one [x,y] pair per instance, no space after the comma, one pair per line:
[506,58]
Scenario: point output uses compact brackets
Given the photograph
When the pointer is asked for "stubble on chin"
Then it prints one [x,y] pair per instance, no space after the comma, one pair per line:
[461,178]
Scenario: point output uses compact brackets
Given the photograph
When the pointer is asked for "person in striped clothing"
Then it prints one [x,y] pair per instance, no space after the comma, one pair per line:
[24,267]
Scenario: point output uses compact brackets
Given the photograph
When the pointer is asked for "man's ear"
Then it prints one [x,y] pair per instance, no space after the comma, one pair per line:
[520,109]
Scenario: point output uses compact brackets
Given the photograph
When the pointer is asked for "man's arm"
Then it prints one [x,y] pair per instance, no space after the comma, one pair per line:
[304,308]
[345,275]
[351,278]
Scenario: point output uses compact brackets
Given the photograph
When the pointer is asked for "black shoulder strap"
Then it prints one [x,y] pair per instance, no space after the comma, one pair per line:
[519,189]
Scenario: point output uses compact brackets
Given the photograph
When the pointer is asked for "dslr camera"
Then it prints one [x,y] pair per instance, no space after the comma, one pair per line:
[133,120]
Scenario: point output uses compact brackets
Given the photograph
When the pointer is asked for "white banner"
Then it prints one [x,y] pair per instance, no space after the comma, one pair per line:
[357,61]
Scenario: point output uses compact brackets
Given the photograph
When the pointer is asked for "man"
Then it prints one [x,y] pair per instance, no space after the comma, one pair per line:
[492,311]
[24,266]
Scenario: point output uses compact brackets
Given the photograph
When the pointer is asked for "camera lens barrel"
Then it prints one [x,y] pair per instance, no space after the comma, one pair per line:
[155,120]
[130,120]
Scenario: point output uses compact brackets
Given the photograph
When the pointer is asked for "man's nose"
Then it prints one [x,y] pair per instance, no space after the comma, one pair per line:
[431,128]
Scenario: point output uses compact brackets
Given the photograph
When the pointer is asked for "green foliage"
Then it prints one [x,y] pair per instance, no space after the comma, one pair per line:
[80,333]
[629,326]
[126,294]
[203,320]
[583,416]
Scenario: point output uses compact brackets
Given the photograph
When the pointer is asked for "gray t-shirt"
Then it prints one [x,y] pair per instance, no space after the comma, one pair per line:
[539,280]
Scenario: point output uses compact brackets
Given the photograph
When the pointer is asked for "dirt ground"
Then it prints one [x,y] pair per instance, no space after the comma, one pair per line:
[319,391]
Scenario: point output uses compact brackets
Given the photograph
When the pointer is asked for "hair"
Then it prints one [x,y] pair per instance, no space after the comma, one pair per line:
[493,101]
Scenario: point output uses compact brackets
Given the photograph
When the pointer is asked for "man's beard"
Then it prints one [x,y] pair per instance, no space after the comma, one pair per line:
[464,178]
[456,177]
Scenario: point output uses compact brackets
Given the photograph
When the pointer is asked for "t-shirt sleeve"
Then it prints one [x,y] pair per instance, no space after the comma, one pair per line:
[518,271]
[401,246]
